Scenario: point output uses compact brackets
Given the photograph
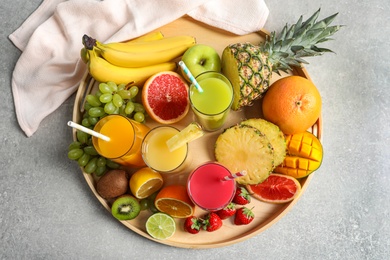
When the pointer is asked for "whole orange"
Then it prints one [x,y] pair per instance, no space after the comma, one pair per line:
[293,103]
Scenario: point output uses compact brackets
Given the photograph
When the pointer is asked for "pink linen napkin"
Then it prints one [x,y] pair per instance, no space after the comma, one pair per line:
[49,69]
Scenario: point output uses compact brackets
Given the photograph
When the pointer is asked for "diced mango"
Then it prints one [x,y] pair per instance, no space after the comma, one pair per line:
[304,155]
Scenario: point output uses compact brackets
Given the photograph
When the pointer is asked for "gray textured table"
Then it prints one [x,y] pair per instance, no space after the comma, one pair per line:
[48,211]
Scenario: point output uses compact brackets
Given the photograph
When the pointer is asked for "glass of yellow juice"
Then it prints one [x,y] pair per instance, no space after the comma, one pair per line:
[126,137]
[212,105]
[156,154]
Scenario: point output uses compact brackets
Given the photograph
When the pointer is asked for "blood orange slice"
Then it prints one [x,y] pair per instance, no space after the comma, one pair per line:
[165,97]
[277,188]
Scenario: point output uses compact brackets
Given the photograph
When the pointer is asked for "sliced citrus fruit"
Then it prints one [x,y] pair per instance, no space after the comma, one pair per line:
[277,188]
[160,226]
[174,201]
[145,182]
[165,97]
[189,133]
[304,155]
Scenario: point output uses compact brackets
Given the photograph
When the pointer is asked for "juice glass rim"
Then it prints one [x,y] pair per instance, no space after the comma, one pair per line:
[95,139]
[143,147]
[200,166]
[221,75]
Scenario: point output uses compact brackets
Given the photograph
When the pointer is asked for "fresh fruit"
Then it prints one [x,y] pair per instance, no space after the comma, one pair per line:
[165,97]
[190,133]
[192,225]
[244,216]
[278,188]
[113,184]
[103,71]
[243,147]
[141,54]
[304,155]
[174,201]
[274,135]
[144,204]
[143,38]
[113,99]
[293,103]
[126,207]
[201,58]
[160,226]
[152,36]
[144,182]
[241,197]
[211,222]
[227,211]
[249,67]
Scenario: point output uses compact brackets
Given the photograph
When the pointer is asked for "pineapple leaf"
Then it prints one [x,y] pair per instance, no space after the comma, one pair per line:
[309,22]
[299,40]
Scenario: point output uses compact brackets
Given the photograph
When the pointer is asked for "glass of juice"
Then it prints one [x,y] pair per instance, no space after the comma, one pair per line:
[156,154]
[211,106]
[126,137]
[207,188]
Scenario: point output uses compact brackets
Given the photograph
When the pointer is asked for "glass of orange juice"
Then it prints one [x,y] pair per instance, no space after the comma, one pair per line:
[126,137]
[156,154]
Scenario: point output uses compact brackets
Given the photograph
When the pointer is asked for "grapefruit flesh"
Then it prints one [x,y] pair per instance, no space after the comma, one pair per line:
[165,97]
[277,188]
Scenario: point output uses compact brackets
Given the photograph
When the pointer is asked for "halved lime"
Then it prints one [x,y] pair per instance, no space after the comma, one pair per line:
[189,133]
[160,226]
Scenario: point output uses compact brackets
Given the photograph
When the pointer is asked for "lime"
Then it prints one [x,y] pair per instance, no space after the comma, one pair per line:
[160,226]
[189,133]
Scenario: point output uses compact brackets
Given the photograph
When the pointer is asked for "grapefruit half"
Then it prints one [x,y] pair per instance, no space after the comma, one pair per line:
[165,97]
[277,188]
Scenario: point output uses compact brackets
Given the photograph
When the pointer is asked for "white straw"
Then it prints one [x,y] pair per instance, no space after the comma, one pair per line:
[234,175]
[190,76]
[88,131]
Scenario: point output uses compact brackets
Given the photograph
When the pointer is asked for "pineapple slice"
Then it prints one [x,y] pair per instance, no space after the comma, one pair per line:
[274,134]
[189,133]
[243,147]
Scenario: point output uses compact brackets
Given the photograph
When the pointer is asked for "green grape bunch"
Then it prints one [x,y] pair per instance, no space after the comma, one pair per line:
[109,99]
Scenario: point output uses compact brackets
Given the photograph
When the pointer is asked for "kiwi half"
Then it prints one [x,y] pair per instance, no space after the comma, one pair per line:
[125,207]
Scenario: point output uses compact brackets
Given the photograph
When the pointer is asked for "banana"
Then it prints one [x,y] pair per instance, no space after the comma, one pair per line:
[103,71]
[141,54]
[153,36]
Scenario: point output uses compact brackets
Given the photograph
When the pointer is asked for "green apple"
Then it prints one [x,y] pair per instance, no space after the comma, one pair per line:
[201,58]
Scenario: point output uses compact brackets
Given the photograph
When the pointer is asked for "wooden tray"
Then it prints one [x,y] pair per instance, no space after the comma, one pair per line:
[201,150]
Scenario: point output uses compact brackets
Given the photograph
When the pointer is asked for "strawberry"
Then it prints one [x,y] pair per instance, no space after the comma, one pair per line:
[227,211]
[244,216]
[212,222]
[192,225]
[242,196]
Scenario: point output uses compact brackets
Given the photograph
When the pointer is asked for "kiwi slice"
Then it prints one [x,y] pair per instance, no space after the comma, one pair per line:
[125,207]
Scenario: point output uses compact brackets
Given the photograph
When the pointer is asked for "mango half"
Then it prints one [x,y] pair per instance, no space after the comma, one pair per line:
[304,155]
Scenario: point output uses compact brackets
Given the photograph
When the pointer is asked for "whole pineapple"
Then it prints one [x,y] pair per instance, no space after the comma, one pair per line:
[249,67]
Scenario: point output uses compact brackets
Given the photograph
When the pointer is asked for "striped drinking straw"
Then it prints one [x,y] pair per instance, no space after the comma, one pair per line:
[190,76]
[235,175]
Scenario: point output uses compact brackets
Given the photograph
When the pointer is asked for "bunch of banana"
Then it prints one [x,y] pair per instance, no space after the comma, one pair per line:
[136,60]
